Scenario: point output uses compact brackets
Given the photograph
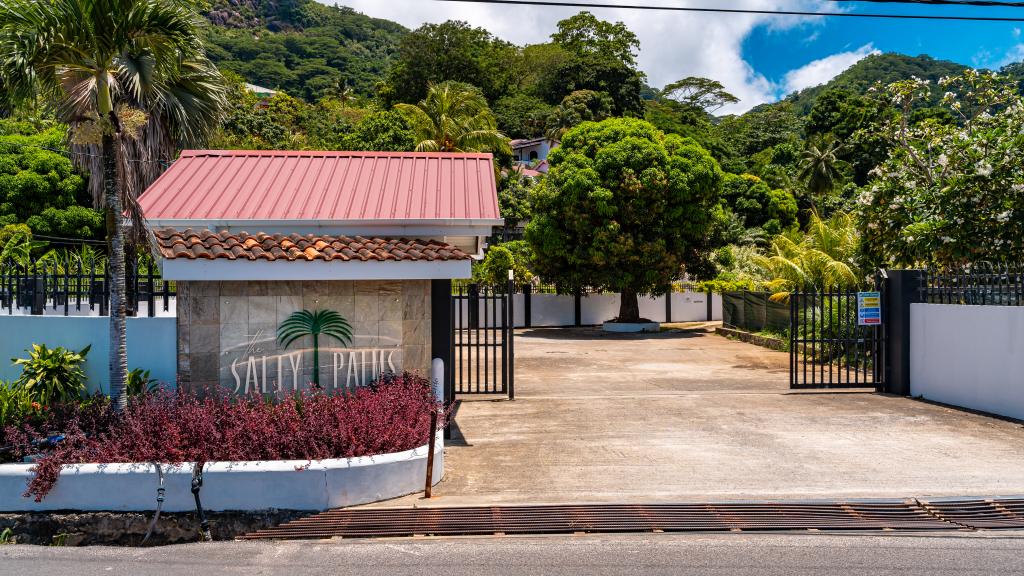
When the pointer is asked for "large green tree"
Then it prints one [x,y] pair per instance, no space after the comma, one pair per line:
[599,56]
[39,185]
[130,79]
[451,51]
[624,208]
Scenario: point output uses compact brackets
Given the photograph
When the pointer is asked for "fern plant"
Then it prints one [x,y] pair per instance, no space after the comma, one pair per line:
[317,323]
[52,374]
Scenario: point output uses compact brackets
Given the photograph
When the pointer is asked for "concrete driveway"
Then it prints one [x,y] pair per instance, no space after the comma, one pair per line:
[684,416]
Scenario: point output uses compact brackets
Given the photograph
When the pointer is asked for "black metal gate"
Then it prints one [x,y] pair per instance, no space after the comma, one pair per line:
[483,353]
[829,347]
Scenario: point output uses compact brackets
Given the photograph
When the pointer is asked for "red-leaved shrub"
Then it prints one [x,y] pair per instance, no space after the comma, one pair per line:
[392,415]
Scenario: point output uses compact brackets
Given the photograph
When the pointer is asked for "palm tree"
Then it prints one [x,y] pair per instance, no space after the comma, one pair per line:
[821,167]
[823,257]
[345,93]
[454,117]
[315,324]
[130,79]
[562,119]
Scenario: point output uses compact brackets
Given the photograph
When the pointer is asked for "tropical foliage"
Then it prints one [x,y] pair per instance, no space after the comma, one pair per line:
[39,186]
[130,79]
[493,270]
[52,375]
[16,404]
[822,257]
[949,193]
[454,117]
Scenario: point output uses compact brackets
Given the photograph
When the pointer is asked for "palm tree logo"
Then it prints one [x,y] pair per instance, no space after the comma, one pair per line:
[315,324]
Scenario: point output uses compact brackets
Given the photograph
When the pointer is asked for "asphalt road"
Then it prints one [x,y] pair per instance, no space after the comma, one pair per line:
[723,554]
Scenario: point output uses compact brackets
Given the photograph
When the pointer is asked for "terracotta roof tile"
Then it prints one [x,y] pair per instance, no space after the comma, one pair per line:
[203,244]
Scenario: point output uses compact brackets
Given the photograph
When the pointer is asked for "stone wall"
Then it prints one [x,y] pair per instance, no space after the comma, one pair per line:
[227,333]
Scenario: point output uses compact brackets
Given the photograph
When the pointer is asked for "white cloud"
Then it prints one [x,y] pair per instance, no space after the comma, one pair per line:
[1014,54]
[825,69]
[674,45]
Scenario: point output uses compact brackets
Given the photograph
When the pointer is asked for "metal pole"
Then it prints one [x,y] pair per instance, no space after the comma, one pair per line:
[430,454]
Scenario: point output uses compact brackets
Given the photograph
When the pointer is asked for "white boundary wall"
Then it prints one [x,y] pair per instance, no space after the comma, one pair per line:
[551,310]
[968,356]
[243,486]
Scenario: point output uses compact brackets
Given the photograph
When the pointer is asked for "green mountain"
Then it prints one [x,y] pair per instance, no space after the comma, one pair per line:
[305,48]
[884,68]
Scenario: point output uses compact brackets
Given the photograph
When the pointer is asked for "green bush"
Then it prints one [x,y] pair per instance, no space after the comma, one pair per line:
[501,258]
[140,382]
[52,375]
[15,404]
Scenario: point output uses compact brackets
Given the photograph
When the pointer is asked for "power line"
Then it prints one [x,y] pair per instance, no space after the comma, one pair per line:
[971,3]
[567,4]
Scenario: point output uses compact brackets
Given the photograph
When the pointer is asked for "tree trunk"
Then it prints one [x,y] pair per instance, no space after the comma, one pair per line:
[629,307]
[115,239]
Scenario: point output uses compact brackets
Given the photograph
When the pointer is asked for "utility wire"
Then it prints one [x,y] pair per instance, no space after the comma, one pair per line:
[563,3]
[972,3]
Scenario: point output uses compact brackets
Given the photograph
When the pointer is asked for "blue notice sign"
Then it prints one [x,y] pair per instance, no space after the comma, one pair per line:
[869,308]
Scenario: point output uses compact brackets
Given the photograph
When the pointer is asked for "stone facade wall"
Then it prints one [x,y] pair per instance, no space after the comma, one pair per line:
[227,333]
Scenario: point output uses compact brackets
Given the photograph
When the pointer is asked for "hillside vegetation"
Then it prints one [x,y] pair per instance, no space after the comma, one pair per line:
[302,47]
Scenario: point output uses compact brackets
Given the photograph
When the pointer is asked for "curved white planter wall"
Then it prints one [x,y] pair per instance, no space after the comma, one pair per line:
[243,486]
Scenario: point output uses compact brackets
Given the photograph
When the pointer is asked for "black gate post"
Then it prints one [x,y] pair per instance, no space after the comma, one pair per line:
[441,332]
[901,289]
[711,305]
[577,308]
[668,306]
[527,311]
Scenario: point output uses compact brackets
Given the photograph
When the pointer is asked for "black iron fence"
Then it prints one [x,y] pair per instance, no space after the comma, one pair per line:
[985,287]
[755,312]
[482,340]
[829,347]
[69,285]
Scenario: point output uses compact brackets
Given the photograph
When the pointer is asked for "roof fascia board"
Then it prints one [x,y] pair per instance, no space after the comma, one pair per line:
[264,270]
[340,227]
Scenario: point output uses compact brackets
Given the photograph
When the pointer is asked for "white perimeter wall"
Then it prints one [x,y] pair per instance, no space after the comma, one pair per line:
[969,356]
[151,344]
[557,310]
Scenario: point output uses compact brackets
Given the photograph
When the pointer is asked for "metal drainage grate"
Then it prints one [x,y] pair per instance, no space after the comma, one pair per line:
[984,514]
[568,519]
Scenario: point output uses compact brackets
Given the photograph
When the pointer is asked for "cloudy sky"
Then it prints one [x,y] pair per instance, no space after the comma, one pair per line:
[759,58]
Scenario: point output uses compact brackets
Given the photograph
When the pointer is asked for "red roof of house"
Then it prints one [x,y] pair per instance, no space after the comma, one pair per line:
[240,185]
[206,245]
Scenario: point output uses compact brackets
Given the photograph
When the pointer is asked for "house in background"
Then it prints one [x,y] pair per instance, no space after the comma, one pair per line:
[533,150]
[264,94]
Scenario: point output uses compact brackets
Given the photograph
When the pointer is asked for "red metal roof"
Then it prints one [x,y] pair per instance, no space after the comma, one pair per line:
[273,185]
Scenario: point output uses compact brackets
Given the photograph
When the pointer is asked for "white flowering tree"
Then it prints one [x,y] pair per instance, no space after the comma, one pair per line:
[950,193]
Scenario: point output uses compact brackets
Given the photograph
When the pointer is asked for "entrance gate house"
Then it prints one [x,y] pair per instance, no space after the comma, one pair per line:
[255,239]
[837,340]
